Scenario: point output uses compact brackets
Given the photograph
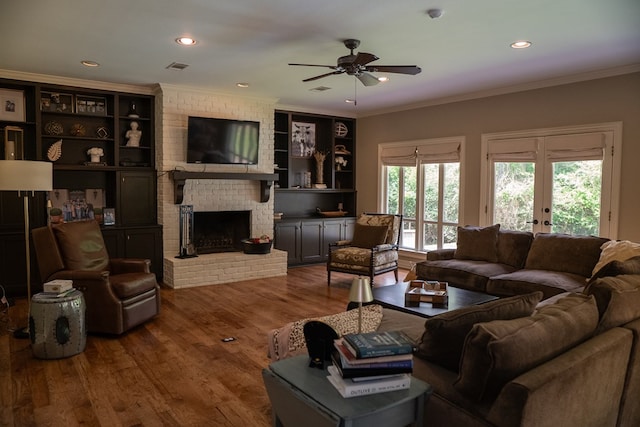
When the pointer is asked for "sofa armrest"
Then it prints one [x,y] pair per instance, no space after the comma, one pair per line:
[129,265]
[580,387]
[440,254]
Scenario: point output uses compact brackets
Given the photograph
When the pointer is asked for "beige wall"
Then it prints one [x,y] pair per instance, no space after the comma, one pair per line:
[595,101]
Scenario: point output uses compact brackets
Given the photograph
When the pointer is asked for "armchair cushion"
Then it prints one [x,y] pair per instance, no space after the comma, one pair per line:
[128,285]
[478,243]
[82,245]
[359,258]
[392,222]
[368,236]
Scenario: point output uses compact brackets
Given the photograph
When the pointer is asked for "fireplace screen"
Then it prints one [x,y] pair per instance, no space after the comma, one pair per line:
[220,231]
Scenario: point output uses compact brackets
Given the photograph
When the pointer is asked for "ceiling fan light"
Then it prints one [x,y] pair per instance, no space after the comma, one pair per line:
[521,44]
[88,63]
[186,41]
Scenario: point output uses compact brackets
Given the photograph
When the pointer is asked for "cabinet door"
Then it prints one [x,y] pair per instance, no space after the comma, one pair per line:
[348,228]
[137,198]
[312,249]
[145,243]
[333,230]
[287,238]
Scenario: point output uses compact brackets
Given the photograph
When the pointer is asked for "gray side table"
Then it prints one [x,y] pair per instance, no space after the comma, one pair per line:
[302,396]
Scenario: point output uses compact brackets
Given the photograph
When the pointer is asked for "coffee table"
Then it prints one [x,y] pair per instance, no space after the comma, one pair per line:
[392,296]
[302,396]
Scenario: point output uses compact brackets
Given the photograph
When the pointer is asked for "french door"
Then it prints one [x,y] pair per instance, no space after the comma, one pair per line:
[552,182]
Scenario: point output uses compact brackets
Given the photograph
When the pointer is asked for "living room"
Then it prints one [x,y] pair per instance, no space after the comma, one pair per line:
[589,97]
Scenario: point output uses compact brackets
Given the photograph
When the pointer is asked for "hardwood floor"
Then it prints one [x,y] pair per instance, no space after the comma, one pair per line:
[174,370]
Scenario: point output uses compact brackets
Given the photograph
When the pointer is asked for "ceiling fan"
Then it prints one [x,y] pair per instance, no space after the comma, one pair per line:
[356,65]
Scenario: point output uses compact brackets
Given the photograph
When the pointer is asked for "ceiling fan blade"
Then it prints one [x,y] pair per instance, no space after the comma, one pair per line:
[367,79]
[363,58]
[333,67]
[322,75]
[400,69]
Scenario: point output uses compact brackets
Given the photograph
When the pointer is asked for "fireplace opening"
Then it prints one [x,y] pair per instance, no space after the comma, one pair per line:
[220,231]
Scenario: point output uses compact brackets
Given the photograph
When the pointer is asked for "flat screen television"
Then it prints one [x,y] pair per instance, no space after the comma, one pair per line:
[222,141]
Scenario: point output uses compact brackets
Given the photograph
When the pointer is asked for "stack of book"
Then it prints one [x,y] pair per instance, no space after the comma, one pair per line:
[56,289]
[369,363]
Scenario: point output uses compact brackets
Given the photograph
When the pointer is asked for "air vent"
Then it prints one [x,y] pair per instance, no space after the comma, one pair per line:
[176,66]
[319,89]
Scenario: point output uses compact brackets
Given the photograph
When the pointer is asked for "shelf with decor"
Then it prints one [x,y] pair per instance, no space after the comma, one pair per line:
[304,189]
[83,132]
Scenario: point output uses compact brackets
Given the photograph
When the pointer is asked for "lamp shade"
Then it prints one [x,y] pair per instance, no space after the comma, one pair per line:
[360,290]
[25,175]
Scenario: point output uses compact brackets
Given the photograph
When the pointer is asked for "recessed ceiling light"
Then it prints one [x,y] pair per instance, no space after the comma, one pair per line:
[185,41]
[88,63]
[383,79]
[242,84]
[350,101]
[521,44]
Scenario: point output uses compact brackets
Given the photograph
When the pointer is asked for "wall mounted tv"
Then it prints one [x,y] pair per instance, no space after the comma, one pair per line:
[222,141]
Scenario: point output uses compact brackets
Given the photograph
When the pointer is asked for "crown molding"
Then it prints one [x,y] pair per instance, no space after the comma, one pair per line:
[574,78]
[84,83]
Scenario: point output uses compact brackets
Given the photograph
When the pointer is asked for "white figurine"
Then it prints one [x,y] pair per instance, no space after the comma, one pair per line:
[133,135]
[95,153]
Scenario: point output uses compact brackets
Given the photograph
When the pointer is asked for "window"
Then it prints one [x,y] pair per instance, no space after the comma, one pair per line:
[553,180]
[422,180]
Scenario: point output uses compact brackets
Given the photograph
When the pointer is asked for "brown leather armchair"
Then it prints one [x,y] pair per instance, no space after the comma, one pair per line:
[119,293]
[373,249]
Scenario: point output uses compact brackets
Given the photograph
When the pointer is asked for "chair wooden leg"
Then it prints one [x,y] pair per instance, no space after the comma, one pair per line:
[328,277]
[395,273]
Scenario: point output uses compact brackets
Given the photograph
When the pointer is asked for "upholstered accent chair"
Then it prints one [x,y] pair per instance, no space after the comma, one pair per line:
[119,293]
[373,249]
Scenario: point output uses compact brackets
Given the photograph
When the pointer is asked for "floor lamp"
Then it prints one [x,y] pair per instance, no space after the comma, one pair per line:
[26,176]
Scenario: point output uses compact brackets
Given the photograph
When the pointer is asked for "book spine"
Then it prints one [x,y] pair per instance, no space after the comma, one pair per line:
[364,349]
[348,388]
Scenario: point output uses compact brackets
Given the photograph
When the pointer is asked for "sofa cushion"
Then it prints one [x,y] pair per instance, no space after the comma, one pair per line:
[82,245]
[563,252]
[478,243]
[614,250]
[444,335]
[513,247]
[497,352]
[617,298]
[368,236]
[465,274]
[548,282]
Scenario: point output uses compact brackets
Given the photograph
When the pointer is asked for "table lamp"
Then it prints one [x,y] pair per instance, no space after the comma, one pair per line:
[26,176]
[360,292]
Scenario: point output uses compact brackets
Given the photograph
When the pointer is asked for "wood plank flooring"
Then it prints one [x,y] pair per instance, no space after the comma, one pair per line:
[173,370]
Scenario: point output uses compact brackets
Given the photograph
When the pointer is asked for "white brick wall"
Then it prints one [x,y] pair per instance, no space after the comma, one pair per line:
[174,105]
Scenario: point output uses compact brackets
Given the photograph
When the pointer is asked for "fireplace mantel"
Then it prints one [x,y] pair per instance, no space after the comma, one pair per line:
[180,177]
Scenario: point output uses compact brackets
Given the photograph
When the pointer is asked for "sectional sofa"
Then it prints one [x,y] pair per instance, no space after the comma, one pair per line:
[505,263]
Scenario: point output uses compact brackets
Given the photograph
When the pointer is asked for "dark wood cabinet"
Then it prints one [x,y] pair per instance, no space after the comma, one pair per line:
[136,242]
[83,132]
[306,240]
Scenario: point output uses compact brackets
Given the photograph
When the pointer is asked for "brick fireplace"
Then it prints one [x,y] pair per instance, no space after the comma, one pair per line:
[213,195]
[220,231]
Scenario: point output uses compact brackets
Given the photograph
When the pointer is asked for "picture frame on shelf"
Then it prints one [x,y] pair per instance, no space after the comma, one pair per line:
[109,216]
[75,204]
[12,105]
[96,105]
[303,139]
[56,102]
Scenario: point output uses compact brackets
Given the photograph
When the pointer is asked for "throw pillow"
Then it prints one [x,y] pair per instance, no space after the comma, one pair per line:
[499,351]
[368,236]
[82,245]
[478,243]
[390,221]
[444,335]
[289,340]
[616,251]
[618,299]
[616,268]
